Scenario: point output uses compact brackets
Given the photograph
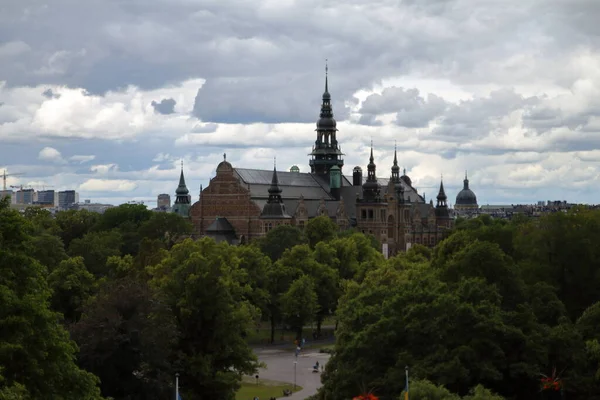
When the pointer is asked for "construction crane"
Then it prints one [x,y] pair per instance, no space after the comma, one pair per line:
[31,186]
[20,187]
[5,175]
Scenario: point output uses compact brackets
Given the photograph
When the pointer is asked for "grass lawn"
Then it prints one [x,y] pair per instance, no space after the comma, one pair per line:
[264,390]
[262,334]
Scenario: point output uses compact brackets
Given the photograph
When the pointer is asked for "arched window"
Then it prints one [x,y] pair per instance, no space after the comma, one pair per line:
[391,227]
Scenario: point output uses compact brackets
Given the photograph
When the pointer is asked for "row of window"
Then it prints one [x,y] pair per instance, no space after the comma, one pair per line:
[267,226]
[369,214]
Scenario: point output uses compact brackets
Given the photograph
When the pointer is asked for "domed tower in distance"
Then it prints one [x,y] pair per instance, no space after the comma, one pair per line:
[466,199]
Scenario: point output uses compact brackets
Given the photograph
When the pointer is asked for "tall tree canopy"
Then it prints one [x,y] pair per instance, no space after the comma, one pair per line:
[37,358]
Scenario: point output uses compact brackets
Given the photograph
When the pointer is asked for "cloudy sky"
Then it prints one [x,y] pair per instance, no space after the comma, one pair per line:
[107,96]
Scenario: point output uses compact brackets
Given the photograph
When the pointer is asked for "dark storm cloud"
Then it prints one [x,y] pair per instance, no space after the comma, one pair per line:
[48,93]
[479,117]
[165,107]
[412,110]
[110,44]
[265,100]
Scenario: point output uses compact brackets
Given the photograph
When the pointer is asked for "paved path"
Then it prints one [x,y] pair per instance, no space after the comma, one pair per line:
[280,367]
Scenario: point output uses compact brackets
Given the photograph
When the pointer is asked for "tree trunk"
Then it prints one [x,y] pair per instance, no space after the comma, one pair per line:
[319,322]
[272,329]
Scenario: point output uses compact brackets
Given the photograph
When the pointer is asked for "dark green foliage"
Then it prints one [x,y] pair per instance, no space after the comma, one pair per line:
[72,284]
[36,354]
[203,285]
[280,239]
[126,337]
[494,305]
[96,248]
[320,229]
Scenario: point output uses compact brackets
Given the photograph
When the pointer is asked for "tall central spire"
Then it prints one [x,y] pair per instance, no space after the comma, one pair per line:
[326,77]
[395,167]
[326,152]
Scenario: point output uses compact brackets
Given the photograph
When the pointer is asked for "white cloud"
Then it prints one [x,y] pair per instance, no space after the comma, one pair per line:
[81,159]
[104,169]
[509,90]
[74,113]
[108,185]
[51,154]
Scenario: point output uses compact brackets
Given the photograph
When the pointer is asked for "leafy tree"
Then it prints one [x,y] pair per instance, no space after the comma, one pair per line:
[72,284]
[256,265]
[131,215]
[300,303]
[280,276]
[427,390]
[42,221]
[36,354]
[201,282]
[47,249]
[96,248]
[486,260]
[74,224]
[169,228]
[356,256]
[126,337]
[324,273]
[127,219]
[446,334]
[151,252]
[560,249]
[320,229]
[282,238]
[481,393]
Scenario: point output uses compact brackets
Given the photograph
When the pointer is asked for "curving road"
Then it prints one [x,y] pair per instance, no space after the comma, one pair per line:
[280,367]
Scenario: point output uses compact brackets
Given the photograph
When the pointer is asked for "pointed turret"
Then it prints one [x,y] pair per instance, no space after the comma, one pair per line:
[441,209]
[182,198]
[441,197]
[274,208]
[371,187]
[395,168]
[326,152]
[274,190]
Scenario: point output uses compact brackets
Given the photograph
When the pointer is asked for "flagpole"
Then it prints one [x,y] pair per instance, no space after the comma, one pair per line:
[406,396]
[177,386]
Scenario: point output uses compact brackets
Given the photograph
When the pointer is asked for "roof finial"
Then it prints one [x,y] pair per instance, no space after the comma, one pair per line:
[182,164]
[326,76]
[224,156]
[466,174]
[275,162]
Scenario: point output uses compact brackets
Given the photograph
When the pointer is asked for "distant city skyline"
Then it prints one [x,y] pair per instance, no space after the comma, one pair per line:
[106,99]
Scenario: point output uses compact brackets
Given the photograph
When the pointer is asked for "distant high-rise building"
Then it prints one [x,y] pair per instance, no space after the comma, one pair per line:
[45,197]
[163,201]
[25,196]
[66,199]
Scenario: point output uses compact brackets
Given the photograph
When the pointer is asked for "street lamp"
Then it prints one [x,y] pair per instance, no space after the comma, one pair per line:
[295,363]
[177,386]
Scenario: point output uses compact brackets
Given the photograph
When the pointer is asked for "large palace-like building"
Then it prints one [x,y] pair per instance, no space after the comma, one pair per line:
[241,204]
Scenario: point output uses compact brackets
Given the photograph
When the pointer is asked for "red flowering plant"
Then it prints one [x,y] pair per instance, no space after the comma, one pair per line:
[552,382]
[367,396]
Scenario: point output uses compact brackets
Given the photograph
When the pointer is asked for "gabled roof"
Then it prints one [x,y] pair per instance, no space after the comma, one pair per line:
[220,225]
